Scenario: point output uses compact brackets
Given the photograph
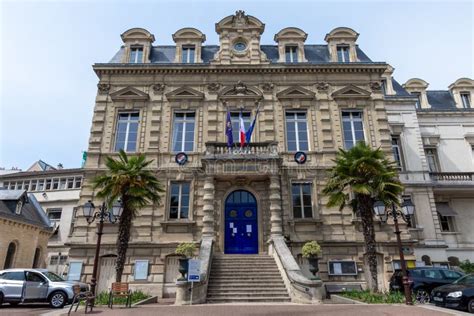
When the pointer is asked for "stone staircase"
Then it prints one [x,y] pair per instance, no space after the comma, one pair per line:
[245,278]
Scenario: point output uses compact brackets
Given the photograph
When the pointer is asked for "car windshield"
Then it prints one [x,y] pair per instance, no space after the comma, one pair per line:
[53,276]
[465,280]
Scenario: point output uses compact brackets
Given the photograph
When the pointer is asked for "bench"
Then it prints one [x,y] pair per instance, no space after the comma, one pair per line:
[339,288]
[87,296]
[120,289]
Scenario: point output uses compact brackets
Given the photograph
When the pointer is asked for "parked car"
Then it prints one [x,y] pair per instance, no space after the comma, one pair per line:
[459,294]
[423,280]
[36,285]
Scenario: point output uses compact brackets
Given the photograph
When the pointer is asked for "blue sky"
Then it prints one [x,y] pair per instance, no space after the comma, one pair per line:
[48,88]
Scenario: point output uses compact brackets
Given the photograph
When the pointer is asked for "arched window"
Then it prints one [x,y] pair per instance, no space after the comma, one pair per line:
[36,259]
[453,261]
[10,256]
[426,259]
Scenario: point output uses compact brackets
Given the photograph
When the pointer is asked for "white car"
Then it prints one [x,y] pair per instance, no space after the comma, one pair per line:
[36,285]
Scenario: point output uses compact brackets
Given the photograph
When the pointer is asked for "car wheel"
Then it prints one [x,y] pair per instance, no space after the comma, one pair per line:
[57,300]
[470,306]
[422,296]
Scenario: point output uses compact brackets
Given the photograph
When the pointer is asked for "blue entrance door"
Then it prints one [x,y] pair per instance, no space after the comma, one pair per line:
[241,230]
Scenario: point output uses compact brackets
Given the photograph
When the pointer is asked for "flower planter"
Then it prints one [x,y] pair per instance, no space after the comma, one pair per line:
[313,265]
[183,268]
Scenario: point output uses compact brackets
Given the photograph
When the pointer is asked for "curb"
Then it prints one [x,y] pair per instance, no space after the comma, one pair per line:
[337,299]
[150,300]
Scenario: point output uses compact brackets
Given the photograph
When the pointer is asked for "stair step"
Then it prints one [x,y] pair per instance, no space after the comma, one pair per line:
[246,291]
[249,299]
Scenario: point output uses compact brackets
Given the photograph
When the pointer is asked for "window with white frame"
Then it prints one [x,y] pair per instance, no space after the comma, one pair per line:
[40,184]
[188,54]
[183,131]
[397,152]
[6,184]
[33,185]
[48,184]
[62,183]
[343,53]
[179,200]
[418,99]
[136,55]
[77,182]
[432,159]
[70,183]
[291,54]
[301,200]
[54,215]
[296,131]
[445,216]
[26,185]
[55,184]
[353,128]
[235,119]
[127,131]
[466,100]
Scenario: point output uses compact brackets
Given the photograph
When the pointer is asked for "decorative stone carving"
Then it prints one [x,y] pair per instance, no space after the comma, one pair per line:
[268,87]
[103,88]
[376,86]
[240,19]
[213,87]
[158,87]
[208,208]
[240,88]
[322,86]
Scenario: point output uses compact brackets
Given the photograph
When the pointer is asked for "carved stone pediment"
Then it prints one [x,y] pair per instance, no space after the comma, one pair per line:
[351,92]
[240,91]
[185,93]
[296,93]
[129,93]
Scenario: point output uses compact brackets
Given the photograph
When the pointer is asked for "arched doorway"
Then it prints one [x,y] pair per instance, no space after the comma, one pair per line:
[241,224]
[10,256]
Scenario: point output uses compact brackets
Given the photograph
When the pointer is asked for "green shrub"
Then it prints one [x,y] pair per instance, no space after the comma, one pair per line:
[137,296]
[311,249]
[467,266]
[186,249]
[375,297]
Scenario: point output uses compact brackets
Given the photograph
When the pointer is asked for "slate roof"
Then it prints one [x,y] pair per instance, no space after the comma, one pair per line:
[31,212]
[440,99]
[51,172]
[165,54]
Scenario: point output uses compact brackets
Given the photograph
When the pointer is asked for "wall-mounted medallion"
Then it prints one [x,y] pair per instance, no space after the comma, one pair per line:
[300,157]
[181,158]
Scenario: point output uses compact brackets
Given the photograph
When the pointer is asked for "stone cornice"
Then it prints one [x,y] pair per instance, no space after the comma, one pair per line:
[132,69]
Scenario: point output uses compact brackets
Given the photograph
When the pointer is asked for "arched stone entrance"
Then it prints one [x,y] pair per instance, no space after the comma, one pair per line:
[241,223]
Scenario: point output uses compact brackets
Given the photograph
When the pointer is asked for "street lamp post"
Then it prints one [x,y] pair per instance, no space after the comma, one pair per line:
[407,210]
[103,213]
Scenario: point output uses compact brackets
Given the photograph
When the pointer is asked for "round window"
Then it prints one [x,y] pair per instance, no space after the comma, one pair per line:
[240,46]
[233,213]
[248,213]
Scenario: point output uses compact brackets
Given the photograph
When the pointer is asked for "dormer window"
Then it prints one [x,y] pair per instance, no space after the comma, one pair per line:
[136,55]
[466,100]
[291,54]
[343,53]
[188,54]
[418,100]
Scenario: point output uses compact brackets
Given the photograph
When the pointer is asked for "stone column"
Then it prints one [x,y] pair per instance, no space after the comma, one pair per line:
[208,219]
[275,207]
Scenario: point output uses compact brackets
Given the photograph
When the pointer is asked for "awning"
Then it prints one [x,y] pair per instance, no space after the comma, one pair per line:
[445,210]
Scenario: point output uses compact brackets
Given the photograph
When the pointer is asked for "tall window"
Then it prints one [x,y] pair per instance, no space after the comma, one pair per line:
[353,128]
[466,100]
[343,53]
[127,131]
[446,223]
[296,131]
[432,159]
[179,201]
[188,54]
[418,100]
[34,183]
[10,256]
[54,215]
[234,117]
[291,54]
[301,197]
[183,131]
[36,258]
[136,55]
[397,152]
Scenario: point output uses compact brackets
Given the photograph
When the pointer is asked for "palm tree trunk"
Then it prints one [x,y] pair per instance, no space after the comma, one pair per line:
[365,208]
[122,241]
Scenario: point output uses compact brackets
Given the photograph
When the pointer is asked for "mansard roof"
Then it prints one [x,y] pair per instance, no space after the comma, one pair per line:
[441,100]
[165,54]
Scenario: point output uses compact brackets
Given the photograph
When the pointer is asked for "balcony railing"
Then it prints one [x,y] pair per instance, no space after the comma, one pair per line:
[452,176]
[253,150]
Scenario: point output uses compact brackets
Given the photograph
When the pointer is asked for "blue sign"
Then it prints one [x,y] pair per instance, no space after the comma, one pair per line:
[194,270]
[300,157]
[181,158]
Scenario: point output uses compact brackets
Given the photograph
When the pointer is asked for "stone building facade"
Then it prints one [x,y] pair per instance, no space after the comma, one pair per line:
[312,99]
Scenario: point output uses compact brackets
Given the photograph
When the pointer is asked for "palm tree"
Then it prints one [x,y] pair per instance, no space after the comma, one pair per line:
[361,176]
[127,179]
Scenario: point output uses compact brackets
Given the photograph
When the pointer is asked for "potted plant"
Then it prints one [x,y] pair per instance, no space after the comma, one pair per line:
[185,249]
[311,250]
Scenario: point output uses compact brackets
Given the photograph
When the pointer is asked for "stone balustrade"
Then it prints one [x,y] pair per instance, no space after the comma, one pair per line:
[452,176]
[218,150]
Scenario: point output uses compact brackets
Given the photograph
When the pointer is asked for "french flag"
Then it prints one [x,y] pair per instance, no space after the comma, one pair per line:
[241,130]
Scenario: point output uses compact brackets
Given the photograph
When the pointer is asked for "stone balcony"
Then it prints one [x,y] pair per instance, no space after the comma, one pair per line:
[253,151]
[459,180]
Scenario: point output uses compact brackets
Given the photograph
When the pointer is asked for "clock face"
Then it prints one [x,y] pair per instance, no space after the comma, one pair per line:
[240,46]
